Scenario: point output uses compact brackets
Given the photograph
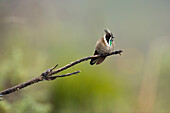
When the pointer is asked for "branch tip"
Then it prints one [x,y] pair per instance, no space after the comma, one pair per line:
[54,67]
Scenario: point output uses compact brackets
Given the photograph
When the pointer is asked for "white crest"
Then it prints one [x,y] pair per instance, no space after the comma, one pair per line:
[107,30]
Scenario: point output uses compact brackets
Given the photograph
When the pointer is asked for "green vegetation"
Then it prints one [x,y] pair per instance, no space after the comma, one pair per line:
[36,35]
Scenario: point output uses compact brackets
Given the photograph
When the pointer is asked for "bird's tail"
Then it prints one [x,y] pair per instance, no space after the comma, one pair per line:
[100,60]
[97,60]
[93,61]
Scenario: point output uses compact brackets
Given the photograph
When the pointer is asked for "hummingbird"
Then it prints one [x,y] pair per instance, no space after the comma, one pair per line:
[104,46]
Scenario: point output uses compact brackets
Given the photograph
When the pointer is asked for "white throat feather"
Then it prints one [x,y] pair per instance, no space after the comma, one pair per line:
[106,40]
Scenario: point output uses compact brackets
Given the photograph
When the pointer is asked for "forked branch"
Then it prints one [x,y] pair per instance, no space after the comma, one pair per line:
[47,75]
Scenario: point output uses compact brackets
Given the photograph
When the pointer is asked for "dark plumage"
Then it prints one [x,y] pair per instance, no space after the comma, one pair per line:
[103,46]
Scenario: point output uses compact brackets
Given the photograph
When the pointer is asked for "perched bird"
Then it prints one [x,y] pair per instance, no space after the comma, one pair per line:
[104,46]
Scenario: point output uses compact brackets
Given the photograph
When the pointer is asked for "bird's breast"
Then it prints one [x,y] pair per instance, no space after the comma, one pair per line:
[103,48]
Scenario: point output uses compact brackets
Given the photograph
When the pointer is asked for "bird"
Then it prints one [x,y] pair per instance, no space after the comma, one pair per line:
[104,46]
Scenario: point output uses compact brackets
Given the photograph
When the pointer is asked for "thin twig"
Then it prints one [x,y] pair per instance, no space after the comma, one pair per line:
[83,59]
[47,75]
[68,74]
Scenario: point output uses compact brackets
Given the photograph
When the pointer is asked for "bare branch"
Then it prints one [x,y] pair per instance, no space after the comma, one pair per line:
[47,75]
[84,59]
[68,74]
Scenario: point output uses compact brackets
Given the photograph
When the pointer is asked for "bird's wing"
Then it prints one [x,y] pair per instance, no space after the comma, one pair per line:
[100,60]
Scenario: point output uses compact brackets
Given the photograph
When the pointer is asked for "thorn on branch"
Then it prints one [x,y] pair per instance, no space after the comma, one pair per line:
[53,67]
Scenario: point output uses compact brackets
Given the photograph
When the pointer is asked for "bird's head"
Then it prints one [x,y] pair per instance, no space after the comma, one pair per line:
[109,36]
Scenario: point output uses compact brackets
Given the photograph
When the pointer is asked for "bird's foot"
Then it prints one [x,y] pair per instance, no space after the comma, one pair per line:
[103,54]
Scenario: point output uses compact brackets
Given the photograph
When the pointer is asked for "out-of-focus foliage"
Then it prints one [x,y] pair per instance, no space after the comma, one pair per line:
[38,34]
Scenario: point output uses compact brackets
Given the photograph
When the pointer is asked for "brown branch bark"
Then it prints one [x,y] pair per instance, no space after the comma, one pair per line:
[47,75]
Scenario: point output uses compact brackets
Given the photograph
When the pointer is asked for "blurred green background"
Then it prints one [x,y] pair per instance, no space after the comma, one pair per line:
[38,34]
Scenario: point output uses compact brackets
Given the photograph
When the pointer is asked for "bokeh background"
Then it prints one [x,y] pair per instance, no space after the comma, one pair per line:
[38,34]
